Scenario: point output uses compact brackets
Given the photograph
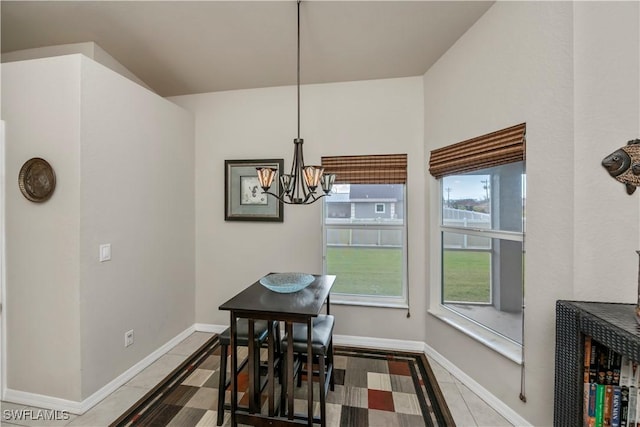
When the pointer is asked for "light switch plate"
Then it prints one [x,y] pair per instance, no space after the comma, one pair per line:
[105,252]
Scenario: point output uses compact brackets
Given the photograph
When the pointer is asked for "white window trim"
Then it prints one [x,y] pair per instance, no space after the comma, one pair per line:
[383,208]
[498,343]
[491,339]
[491,234]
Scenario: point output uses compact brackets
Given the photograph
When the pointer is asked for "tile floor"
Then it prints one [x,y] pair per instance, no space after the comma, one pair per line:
[467,408]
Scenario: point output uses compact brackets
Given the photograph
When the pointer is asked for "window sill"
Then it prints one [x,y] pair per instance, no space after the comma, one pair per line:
[368,303]
[496,342]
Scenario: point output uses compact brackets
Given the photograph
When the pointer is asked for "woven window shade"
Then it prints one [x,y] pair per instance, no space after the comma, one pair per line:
[493,149]
[375,169]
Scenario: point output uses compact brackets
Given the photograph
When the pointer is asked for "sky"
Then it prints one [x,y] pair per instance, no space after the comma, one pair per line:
[464,187]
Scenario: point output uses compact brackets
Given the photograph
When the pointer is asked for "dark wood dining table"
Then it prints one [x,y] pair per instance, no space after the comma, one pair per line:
[256,302]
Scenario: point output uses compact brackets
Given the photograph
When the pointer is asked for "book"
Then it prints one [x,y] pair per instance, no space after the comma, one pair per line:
[607,404]
[625,371]
[591,411]
[602,364]
[593,362]
[600,391]
[587,385]
[633,399]
[634,373]
[587,357]
[637,420]
[617,368]
[615,406]
[611,357]
[624,405]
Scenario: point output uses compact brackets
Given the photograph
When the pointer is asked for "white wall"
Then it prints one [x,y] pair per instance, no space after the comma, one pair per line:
[124,159]
[369,117]
[557,67]
[137,193]
[607,115]
[41,107]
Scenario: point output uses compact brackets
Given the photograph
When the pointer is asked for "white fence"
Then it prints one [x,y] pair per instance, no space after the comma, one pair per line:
[361,232]
[463,218]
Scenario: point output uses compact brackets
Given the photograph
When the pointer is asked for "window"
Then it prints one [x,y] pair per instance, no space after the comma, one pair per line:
[483,193]
[482,251]
[365,232]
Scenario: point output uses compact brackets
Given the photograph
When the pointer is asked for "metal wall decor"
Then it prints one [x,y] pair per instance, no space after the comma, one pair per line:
[624,165]
[37,180]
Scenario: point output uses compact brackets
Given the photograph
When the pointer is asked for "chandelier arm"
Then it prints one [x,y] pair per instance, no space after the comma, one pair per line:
[303,182]
[316,198]
[313,197]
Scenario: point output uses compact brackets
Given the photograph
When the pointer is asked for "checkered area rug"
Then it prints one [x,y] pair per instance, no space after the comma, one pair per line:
[372,388]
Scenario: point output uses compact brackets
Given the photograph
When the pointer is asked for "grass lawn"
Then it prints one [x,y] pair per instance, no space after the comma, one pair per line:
[371,271]
[467,276]
[378,271]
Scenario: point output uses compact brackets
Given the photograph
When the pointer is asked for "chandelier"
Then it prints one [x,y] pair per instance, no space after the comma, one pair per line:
[298,187]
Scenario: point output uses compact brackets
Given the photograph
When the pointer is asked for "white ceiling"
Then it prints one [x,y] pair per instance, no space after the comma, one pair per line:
[184,47]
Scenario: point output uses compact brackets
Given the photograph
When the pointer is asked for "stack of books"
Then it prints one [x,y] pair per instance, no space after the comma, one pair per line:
[611,387]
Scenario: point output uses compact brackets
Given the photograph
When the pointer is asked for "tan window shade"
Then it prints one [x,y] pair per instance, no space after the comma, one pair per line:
[375,169]
[493,149]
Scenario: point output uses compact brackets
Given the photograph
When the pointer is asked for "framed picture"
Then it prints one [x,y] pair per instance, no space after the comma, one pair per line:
[243,196]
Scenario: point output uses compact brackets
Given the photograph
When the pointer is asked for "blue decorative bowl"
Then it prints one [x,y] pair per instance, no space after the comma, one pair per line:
[286,283]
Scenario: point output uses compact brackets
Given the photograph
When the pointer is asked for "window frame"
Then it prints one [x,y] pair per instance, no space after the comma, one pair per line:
[484,334]
[383,208]
[401,301]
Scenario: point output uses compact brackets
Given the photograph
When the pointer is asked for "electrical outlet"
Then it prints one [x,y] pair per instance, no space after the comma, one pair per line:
[128,338]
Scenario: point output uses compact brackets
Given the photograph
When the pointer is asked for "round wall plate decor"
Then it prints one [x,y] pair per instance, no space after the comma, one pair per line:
[37,180]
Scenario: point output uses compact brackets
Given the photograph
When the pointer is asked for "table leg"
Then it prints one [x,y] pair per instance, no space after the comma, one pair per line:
[309,371]
[290,367]
[234,369]
[270,361]
[251,363]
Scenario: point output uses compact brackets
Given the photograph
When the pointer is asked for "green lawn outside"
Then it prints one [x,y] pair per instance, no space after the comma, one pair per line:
[467,276]
[378,271]
[370,271]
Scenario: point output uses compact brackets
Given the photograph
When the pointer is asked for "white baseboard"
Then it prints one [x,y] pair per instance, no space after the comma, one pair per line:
[74,407]
[43,401]
[377,343]
[490,399]
[214,329]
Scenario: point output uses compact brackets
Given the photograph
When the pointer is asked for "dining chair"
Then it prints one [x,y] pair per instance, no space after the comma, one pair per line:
[322,352]
[260,336]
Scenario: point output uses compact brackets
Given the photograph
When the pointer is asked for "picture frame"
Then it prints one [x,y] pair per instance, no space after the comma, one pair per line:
[243,196]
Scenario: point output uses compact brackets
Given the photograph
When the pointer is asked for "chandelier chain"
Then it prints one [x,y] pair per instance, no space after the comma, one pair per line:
[298,69]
